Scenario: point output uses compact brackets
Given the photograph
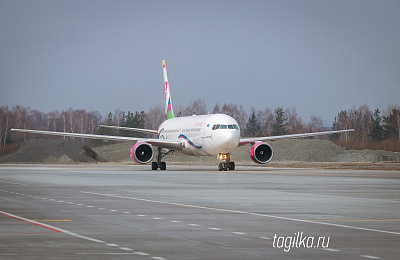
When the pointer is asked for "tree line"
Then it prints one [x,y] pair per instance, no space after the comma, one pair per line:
[373,129]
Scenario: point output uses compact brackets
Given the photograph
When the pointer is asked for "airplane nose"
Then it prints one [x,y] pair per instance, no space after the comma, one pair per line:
[229,141]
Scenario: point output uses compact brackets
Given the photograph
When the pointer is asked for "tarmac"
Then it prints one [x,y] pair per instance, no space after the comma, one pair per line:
[196,212]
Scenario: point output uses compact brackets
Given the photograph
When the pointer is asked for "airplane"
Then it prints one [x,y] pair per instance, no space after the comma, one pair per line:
[198,135]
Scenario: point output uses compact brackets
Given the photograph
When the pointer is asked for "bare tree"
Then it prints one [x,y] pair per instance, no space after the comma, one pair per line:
[294,123]
[217,109]
[197,107]
[154,117]
[315,124]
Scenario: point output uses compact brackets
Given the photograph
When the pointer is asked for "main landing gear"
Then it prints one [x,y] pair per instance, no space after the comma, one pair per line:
[225,163]
[159,164]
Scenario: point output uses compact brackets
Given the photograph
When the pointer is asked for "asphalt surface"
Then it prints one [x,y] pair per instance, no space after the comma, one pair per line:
[197,212]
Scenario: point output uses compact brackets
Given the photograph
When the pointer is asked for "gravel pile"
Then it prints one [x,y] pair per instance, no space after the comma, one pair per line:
[368,156]
[302,150]
[52,151]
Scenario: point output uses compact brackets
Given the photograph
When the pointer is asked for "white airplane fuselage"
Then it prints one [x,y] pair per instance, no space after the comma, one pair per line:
[203,135]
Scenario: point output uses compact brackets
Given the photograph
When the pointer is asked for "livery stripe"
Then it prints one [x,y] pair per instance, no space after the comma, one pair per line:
[190,142]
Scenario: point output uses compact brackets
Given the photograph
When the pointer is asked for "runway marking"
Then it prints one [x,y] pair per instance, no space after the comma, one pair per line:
[52,220]
[126,249]
[239,233]
[214,228]
[194,225]
[52,228]
[174,221]
[265,237]
[157,218]
[141,253]
[29,221]
[331,249]
[247,213]
[59,230]
[112,245]
[370,256]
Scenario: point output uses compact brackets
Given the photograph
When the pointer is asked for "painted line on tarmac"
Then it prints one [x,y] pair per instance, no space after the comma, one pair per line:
[245,213]
[49,227]
[42,225]
[370,256]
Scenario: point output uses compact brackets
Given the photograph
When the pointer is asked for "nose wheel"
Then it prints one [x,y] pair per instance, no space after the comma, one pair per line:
[223,166]
[225,163]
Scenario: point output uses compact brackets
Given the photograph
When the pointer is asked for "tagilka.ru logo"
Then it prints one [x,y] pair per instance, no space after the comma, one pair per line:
[299,240]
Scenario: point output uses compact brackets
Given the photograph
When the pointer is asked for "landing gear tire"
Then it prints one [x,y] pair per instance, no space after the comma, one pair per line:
[226,166]
[220,166]
[231,166]
[223,166]
[163,166]
[154,166]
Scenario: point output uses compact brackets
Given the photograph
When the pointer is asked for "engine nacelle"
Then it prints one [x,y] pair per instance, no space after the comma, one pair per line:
[142,152]
[261,153]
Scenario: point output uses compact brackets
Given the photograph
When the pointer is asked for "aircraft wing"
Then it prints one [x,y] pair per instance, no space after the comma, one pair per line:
[140,130]
[244,141]
[169,144]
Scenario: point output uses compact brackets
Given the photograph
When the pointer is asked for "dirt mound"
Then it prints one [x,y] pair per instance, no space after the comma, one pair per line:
[53,151]
[289,150]
[301,150]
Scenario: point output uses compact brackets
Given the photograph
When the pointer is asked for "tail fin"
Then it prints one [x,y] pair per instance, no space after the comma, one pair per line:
[167,95]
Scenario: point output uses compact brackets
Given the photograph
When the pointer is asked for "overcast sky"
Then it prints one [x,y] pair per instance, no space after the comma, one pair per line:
[319,57]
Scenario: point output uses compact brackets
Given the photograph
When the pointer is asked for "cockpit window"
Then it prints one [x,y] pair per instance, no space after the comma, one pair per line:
[215,127]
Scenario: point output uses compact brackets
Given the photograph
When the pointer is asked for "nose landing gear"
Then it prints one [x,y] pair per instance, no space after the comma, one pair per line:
[225,163]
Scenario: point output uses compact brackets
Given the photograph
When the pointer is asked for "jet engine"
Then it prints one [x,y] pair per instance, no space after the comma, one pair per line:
[142,152]
[261,153]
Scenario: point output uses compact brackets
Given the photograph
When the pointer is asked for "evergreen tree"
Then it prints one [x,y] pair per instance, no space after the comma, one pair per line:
[377,128]
[392,125]
[253,127]
[280,122]
[133,121]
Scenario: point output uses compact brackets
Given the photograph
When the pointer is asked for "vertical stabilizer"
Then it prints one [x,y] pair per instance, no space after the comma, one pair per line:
[167,95]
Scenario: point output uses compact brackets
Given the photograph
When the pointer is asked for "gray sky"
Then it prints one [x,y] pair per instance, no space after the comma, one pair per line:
[319,57]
